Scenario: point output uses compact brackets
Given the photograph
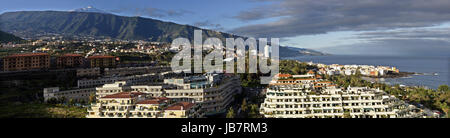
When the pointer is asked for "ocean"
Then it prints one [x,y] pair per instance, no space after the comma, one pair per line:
[435,69]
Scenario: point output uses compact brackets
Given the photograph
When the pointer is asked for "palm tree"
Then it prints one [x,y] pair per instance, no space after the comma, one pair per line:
[230,113]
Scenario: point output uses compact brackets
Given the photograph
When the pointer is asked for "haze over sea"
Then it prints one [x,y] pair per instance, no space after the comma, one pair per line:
[435,69]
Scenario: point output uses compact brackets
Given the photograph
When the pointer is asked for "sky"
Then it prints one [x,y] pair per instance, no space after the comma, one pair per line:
[379,27]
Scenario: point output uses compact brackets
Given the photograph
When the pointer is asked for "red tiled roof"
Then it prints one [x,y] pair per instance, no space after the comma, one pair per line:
[72,55]
[99,56]
[124,95]
[310,72]
[28,54]
[282,83]
[150,102]
[180,106]
[161,98]
[156,100]
[323,82]
[297,79]
[284,75]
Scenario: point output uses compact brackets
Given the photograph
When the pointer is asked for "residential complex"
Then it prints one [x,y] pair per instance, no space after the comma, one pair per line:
[102,61]
[366,70]
[211,93]
[70,61]
[140,105]
[75,94]
[214,91]
[28,61]
[88,72]
[291,97]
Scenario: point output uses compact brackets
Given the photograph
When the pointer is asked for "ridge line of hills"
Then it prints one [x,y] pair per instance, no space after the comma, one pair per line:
[29,24]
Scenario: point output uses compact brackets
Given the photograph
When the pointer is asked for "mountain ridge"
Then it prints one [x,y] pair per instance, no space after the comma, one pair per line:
[102,24]
[99,24]
[6,37]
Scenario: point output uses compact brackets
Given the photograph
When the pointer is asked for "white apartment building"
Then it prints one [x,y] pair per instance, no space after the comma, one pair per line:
[124,86]
[75,94]
[320,99]
[214,92]
[89,83]
[125,71]
[88,72]
[139,105]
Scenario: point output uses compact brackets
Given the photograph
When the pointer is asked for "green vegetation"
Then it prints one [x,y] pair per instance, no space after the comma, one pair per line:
[294,67]
[443,88]
[22,96]
[230,113]
[161,58]
[347,114]
[6,37]
[254,111]
[41,110]
[244,105]
[250,80]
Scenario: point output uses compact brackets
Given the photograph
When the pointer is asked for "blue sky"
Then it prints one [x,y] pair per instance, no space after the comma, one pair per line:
[333,26]
[215,12]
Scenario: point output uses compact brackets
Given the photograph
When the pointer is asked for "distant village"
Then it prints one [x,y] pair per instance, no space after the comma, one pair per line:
[365,70]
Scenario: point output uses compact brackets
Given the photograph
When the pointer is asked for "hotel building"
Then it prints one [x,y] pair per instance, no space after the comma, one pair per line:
[213,92]
[123,86]
[315,98]
[140,105]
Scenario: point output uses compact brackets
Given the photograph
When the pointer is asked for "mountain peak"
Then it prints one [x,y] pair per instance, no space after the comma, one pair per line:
[89,9]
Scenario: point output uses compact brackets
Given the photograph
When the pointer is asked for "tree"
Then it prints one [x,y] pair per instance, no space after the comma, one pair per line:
[347,114]
[244,105]
[230,113]
[443,88]
[91,98]
[52,100]
[358,72]
[254,111]
[62,100]
[71,102]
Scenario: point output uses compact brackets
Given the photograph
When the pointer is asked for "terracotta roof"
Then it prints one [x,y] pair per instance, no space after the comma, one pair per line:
[323,82]
[156,100]
[72,55]
[28,54]
[284,75]
[150,102]
[161,98]
[282,83]
[310,72]
[124,95]
[297,79]
[99,56]
[180,106]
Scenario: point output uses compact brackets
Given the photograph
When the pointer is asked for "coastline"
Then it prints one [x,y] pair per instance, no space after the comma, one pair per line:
[421,71]
[396,75]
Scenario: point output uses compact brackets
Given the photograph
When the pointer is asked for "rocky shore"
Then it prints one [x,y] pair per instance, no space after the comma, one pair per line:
[395,75]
